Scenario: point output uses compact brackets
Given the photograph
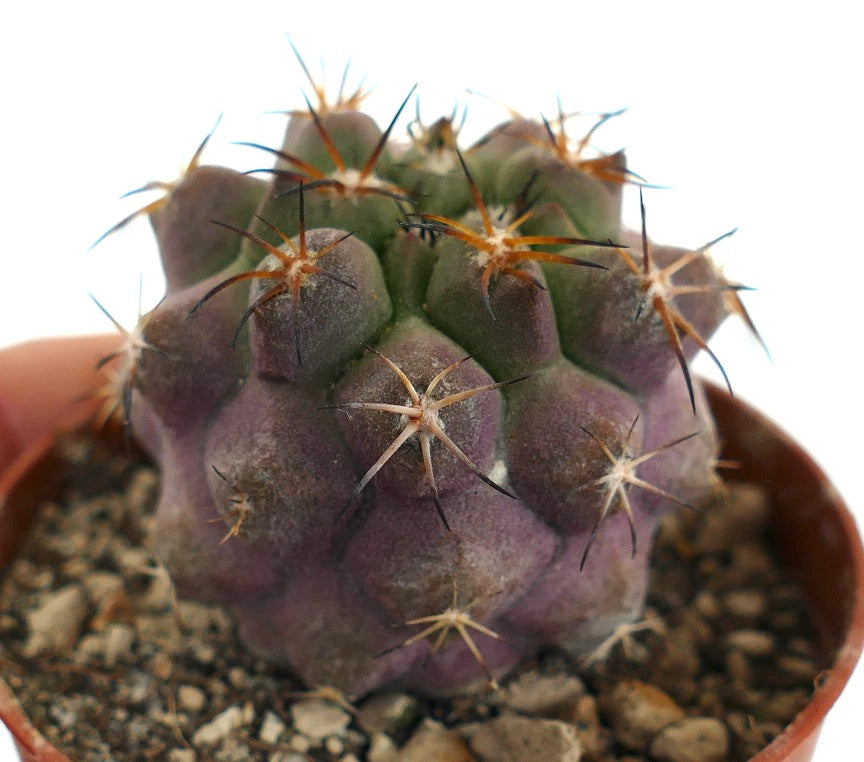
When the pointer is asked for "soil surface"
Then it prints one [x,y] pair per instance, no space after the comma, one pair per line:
[111,666]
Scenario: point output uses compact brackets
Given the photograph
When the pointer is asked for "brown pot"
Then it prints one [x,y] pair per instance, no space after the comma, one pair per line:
[815,532]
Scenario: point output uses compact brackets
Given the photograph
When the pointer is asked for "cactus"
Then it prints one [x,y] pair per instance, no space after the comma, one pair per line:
[418,409]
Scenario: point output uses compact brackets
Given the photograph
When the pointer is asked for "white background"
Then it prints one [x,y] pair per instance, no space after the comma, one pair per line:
[749,113]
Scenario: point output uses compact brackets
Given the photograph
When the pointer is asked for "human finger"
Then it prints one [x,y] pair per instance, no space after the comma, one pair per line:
[43,382]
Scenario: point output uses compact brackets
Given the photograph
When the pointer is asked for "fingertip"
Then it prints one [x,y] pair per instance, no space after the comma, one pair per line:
[43,382]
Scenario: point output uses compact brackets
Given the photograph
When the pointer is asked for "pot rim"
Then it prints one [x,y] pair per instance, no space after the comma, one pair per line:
[31,464]
[798,739]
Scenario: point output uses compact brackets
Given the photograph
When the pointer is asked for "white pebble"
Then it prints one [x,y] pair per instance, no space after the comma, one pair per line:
[382,748]
[299,743]
[118,643]
[752,642]
[318,719]
[56,624]
[182,755]
[747,604]
[190,698]
[271,728]
[540,695]
[334,746]
[222,725]
[238,678]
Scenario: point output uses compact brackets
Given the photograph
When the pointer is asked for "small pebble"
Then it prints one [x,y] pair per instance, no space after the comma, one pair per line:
[182,755]
[272,728]
[204,654]
[238,678]
[390,713]
[798,668]
[677,664]
[90,648]
[158,596]
[751,642]
[782,705]
[638,711]
[222,725]
[299,743]
[334,746]
[217,687]
[520,739]
[738,667]
[191,698]
[56,623]
[752,559]
[748,605]
[707,605]
[162,666]
[317,719]
[382,748]
[695,739]
[118,643]
[584,715]
[432,741]
[541,695]
[133,561]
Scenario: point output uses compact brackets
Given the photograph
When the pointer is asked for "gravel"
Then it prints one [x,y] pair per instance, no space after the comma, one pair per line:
[110,666]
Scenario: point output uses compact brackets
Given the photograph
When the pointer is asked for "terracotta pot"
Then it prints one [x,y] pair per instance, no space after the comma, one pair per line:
[815,533]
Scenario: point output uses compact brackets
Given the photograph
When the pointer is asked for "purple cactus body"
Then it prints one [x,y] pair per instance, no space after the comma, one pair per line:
[188,537]
[490,562]
[282,424]
[386,422]
[326,628]
[552,460]
[193,247]
[575,610]
[185,373]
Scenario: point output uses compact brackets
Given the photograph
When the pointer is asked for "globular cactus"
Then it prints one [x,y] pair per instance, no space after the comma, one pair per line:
[418,410]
